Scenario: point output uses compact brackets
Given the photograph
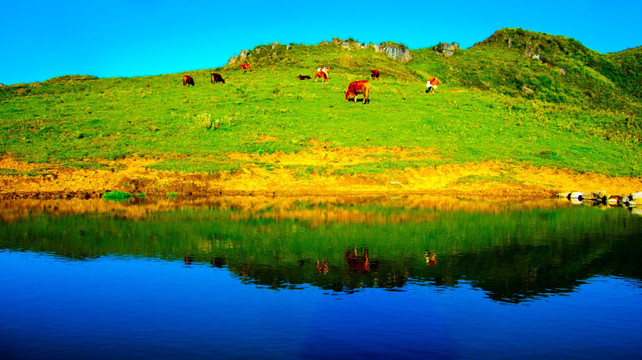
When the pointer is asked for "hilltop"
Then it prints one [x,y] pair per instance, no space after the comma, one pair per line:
[514,62]
[521,114]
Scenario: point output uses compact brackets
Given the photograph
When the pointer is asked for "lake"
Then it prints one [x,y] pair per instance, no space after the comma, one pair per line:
[306,278]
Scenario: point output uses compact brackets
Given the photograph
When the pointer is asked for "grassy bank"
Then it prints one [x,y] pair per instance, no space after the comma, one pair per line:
[269,110]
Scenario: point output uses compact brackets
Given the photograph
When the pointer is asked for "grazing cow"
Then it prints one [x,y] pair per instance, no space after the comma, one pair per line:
[432,85]
[359,87]
[245,67]
[187,80]
[326,70]
[217,78]
[374,74]
[304,77]
[320,74]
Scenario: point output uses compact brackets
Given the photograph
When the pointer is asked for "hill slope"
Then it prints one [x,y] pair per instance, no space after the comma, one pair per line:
[515,62]
[495,105]
[550,68]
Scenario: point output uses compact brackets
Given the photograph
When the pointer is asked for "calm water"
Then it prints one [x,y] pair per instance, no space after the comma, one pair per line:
[309,278]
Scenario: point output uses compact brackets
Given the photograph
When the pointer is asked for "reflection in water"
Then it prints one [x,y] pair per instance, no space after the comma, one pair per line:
[322,267]
[513,252]
[431,258]
[417,278]
[331,209]
[358,263]
[218,262]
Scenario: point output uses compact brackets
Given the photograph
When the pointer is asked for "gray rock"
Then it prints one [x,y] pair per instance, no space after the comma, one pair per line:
[398,52]
[446,49]
[242,56]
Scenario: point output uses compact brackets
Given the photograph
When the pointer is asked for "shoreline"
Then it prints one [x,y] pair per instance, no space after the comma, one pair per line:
[473,181]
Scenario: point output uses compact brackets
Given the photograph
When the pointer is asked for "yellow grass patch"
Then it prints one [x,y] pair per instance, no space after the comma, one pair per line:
[490,180]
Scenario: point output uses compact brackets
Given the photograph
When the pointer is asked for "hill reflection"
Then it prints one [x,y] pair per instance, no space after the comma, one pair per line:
[278,208]
[513,252]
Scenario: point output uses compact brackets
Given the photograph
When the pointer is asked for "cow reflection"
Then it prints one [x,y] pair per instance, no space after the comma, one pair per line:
[218,261]
[358,263]
[323,266]
[431,258]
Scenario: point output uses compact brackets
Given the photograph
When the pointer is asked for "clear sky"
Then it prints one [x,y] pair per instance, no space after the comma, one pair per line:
[41,39]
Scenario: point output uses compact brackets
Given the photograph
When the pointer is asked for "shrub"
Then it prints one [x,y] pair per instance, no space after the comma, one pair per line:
[205,120]
[347,62]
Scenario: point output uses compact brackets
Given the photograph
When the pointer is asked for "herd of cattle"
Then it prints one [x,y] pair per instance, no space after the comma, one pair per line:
[354,88]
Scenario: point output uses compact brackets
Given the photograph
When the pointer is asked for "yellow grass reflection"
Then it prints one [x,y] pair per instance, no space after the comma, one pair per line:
[315,210]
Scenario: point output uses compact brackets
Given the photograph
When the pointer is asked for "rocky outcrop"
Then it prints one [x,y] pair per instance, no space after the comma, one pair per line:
[446,49]
[241,57]
[349,44]
[398,52]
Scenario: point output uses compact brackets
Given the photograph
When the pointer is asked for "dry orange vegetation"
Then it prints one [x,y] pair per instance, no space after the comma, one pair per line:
[319,210]
[487,180]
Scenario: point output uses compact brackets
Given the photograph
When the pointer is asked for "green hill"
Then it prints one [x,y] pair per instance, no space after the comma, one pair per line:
[553,69]
[518,97]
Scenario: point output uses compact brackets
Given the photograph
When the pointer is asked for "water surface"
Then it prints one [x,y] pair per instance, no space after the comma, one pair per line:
[319,278]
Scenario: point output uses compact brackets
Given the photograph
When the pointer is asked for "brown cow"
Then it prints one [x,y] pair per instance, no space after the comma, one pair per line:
[216,77]
[322,75]
[326,70]
[374,74]
[432,84]
[187,80]
[245,67]
[359,87]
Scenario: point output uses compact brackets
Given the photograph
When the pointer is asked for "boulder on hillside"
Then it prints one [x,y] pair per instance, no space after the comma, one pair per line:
[398,52]
[446,49]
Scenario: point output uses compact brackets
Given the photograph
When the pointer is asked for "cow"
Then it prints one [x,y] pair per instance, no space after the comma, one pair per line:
[320,74]
[187,80]
[374,74]
[217,78]
[304,77]
[326,70]
[245,67]
[359,87]
[432,84]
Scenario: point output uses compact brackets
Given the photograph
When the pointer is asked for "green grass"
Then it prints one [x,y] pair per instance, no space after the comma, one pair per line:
[31,173]
[116,195]
[74,118]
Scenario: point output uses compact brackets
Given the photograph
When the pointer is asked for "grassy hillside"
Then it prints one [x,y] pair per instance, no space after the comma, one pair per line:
[495,103]
[550,68]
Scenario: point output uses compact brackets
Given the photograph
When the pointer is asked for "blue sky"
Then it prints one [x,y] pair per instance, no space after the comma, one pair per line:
[108,38]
